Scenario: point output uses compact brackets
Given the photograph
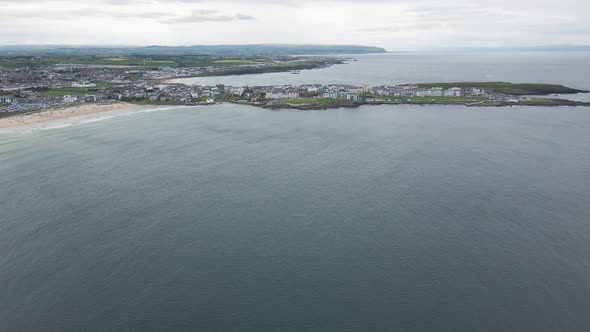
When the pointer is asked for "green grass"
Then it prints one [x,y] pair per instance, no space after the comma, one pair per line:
[9,114]
[228,98]
[64,92]
[447,99]
[235,61]
[126,62]
[541,101]
[45,60]
[200,100]
[304,101]
[135,77]
[518,89]
[435,100]
[283,67]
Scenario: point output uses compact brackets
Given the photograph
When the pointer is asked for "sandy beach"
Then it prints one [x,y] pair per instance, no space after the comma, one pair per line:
[58,114]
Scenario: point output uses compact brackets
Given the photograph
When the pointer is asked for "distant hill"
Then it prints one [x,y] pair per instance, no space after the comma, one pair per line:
[231,50]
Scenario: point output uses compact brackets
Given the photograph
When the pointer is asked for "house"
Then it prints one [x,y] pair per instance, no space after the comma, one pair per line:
[276,94]
[84,85]
[453,92]
[90,98]
[436,92]
[352,96]
[70,99]
[311,88]
[7,99]
[423,93]
[476,92]
[235,91]
[331,95]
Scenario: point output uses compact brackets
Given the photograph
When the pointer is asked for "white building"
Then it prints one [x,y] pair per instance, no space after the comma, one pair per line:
[7,99]
[83,85]
[90,98]
[70,99]
[453,92]
[437,92]
[477,92]
[311,89]
[331,95]
[235,91]
[276,94]
[352,96]
[423,93]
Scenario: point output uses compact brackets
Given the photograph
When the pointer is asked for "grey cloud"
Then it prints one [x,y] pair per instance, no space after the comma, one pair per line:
[403,27]
[416,22]
[84,12]
[199,18]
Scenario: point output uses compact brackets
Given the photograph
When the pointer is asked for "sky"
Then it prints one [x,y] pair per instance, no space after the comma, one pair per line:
[397,25]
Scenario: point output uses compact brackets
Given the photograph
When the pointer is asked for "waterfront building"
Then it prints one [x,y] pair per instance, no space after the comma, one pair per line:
[7,99]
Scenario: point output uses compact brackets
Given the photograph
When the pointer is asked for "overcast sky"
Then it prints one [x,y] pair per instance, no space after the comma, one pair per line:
[393,24]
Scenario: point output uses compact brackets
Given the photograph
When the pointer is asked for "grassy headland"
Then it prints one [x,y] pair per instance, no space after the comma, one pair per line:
[283,67]
[516,89]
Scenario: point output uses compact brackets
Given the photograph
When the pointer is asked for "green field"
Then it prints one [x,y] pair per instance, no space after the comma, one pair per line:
[64,92]
[228,98]
[8,114]
[436,100]
[517,89]
[307,101]
[274,68]
[446,99]
[541,101]
[23,61]
[134,77]
[199,100]
[236,61]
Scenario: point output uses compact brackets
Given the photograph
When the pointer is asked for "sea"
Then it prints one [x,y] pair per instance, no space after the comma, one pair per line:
[236,218]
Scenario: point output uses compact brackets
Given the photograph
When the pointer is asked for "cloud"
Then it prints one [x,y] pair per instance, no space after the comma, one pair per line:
[393,24]
[199,16]
[403,27]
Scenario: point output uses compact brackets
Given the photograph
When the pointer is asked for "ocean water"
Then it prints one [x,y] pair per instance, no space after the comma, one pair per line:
[235,218]
[569,68]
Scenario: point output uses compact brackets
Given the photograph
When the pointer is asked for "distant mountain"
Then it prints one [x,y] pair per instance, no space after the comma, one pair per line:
[259,49]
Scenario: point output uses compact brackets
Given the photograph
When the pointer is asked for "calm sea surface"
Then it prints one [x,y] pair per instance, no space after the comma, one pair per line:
[234,218]
[571,69]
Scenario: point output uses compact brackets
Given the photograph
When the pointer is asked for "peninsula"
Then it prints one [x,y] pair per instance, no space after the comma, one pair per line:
[48,79]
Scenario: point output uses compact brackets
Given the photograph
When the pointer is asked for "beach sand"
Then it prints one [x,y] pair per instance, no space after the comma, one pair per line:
[59,114]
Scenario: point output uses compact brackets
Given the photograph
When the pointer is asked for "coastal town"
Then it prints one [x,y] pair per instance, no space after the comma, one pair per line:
[58,85]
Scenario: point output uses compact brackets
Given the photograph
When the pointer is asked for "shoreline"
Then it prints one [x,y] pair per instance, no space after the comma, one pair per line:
[482,104]
[51,115]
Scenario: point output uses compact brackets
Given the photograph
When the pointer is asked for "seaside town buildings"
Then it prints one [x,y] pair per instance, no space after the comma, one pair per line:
[41,97]
[23,89]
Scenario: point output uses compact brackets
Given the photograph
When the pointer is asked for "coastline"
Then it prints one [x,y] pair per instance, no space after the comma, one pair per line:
[52,115]
[345,104]
[62,113]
